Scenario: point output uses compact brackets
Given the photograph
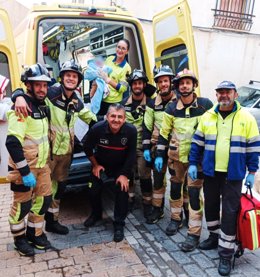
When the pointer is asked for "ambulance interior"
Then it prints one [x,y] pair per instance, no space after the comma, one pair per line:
[60,40]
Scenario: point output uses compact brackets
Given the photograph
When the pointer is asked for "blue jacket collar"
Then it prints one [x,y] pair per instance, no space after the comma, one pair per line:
[122,64]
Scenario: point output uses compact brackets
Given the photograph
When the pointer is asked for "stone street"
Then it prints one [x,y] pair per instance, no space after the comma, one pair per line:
[146,251]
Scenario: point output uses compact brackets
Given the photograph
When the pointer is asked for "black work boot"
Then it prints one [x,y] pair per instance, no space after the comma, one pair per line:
[118,233]
[190,243]
[91,220]
[40,242]
[56,227]
[22,246]
[147,209]
[210,243]
[224,266]
[157,214]
[173,227]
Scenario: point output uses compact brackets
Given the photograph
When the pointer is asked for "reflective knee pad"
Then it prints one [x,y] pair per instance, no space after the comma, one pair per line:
[176,191]
[194,195]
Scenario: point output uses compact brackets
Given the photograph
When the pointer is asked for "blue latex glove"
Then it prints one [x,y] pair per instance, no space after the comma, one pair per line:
[29,180]
[250,178]
[147,155]
[158,164]
[193,172]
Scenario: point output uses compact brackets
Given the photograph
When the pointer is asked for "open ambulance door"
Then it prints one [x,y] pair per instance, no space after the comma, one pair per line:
[173,39]
[9,69]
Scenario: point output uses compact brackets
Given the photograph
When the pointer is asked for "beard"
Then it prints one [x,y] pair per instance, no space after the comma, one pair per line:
[226,103]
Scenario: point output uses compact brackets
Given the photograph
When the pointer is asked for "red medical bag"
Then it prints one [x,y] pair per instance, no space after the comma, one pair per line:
[248,224]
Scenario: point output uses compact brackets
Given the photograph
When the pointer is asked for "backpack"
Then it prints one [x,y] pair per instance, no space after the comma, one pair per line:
[248,223]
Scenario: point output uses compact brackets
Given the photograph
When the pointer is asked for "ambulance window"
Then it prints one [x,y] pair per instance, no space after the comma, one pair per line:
[4,70]
[176,57]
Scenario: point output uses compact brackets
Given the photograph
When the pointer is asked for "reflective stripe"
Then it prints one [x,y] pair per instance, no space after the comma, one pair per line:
[215,231]
[21,164]
[199,142]
[61,129]
[53,210]
[253,223]
[226,237]
[210,137]
[238,138]
[210,147]
[147,198]
[175,210]
[17,227]
[253,149]
[213,223]
[35,225]
[146,141]
[237,149]
[158,196]
[199,133]
[160,147]
[31,141]
[186,200]
[254,139]
[123,83]
[226,244]
[195,223]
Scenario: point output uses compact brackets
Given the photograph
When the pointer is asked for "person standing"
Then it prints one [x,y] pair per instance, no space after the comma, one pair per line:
[179,123]
[135,106]
[151,129]
[111,148]
[227,141]
[117,79]
[29,174]
[65,108]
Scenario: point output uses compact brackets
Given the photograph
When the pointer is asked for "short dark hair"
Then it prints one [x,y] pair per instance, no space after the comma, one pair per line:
[116,106]
[126,41]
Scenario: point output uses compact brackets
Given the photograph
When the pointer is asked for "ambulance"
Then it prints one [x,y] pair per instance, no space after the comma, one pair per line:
[9,69]
[54,34]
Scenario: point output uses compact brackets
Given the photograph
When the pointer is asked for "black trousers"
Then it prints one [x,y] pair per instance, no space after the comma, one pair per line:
[121,200]
[213,188]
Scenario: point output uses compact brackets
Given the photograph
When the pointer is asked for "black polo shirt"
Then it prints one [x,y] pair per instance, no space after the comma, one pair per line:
[116,152]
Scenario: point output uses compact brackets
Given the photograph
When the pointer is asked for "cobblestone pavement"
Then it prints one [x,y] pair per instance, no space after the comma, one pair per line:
[146,251]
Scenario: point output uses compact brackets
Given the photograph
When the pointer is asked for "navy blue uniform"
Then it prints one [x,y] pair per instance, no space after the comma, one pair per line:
[117,154]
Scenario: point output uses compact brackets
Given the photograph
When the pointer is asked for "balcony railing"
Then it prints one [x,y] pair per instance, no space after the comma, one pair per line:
[234,14]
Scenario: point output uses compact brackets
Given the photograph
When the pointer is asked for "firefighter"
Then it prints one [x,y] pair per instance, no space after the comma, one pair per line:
[227,141]
[180,120]
[65,108]
[151,128]
[135,107]
[111,148]
[29,174]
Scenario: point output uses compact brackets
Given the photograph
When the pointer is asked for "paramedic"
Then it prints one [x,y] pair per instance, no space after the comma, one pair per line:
[227,141]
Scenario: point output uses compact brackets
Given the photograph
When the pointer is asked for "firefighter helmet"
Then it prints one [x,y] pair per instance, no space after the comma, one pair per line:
[72,66]
[185,73]
[163,70]
[137,74]
[36,72]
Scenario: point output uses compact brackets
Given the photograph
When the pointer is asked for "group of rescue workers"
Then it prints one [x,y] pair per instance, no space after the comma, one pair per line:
[201,145]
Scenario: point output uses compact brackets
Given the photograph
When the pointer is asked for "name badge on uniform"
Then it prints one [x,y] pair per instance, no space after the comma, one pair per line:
[104,141]
[36,115]
[128,109]
[160,107]
[60,103]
